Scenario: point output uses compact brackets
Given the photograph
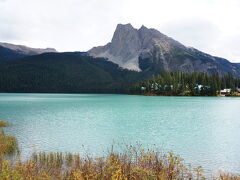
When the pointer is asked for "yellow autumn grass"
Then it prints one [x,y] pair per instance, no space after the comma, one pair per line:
[148,165]
[133,163]
[8,144]
[3,124]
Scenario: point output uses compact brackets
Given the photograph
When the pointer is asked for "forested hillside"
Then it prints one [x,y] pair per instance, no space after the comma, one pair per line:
[76,72]
[7,54]
[64,73]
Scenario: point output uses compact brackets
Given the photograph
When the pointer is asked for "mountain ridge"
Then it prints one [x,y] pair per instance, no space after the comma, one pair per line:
[26,50]
[12,51]
[143,50]
[147,49]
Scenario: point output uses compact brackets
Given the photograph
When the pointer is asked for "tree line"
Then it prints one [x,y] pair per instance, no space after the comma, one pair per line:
[194,84]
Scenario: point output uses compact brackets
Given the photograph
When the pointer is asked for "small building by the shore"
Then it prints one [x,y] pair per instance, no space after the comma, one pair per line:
[238,90]
[225,91]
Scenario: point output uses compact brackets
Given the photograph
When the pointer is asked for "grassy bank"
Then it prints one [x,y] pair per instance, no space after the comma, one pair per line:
[133,163]
[8,144]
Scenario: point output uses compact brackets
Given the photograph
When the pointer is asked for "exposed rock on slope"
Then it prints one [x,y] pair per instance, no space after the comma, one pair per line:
[124,48]
[149,50]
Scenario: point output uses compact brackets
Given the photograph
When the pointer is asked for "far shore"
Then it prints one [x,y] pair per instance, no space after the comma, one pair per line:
[140,94]
[154,94]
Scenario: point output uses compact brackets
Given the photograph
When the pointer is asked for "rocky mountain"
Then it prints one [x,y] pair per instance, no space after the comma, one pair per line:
[12,51]
[133,55]
[150,51]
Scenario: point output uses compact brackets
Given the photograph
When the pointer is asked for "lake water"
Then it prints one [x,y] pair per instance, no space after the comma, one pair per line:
[203,130]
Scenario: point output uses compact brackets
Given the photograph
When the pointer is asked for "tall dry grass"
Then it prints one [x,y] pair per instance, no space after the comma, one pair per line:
[133,163]
[3,124]
[8,144]
[129,165]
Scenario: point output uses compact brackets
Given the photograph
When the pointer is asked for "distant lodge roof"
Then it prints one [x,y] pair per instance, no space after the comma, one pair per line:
[225,91]
[198,86]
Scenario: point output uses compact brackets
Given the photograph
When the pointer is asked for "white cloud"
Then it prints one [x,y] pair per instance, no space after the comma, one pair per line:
[69,25]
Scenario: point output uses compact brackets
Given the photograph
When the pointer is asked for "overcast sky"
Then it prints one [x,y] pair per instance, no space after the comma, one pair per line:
[212,26]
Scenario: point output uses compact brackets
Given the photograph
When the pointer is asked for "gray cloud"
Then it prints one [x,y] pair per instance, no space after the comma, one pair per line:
[78,25]
[204,35]
[192,32]
[228,47]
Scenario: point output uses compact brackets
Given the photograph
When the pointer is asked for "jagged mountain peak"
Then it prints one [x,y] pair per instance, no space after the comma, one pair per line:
[143,27]
[123,30]
[124,26]
[147,49]
[128,43]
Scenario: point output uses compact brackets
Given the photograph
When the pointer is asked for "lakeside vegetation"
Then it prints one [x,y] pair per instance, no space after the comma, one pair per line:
[133,163]
[8,144]
[184,84]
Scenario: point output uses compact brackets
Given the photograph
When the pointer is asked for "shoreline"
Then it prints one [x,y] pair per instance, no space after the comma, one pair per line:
[139,94]
[153,94]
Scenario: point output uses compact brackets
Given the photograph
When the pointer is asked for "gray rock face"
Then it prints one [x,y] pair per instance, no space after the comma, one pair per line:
[124,48]
[149,50]
[129,43]
[26,50]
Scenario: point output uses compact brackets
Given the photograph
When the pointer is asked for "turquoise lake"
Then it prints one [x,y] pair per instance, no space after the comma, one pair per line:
[203,130]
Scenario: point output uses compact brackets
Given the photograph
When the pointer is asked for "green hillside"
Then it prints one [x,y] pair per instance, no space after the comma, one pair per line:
[64,73]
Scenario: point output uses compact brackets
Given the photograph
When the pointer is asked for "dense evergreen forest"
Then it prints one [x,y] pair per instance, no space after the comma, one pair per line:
[64,73]
[194,84]
[76,72]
